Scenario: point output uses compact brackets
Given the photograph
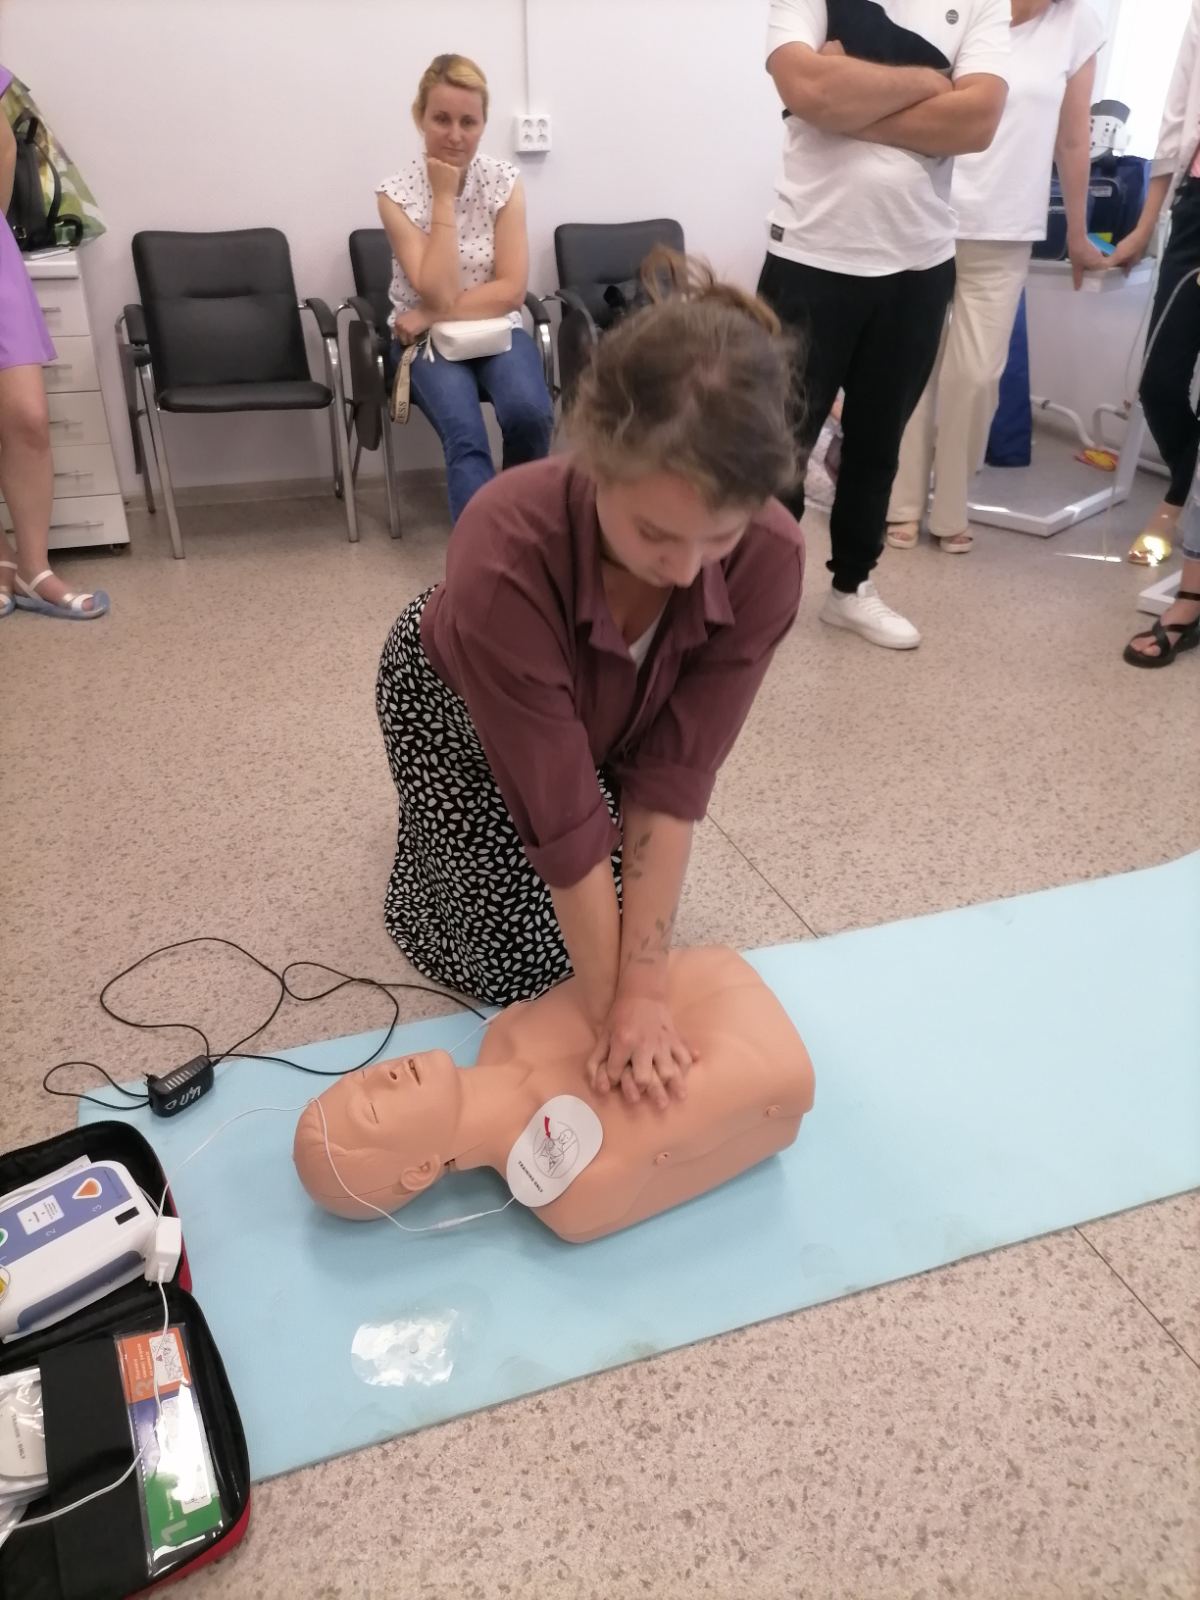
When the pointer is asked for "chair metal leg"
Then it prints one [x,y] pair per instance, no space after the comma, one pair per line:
[341,439]
[140,464]
[339,486]
[146,484]
[354,463]
[542,332]
[160,455]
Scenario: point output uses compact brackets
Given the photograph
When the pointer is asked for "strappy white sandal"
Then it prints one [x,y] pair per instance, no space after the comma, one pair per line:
[7,604]
[71,609]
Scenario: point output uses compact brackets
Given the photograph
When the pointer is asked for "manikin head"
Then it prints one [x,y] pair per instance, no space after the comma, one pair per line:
[391,1130]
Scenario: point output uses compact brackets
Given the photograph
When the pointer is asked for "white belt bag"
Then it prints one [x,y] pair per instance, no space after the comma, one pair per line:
[470,341]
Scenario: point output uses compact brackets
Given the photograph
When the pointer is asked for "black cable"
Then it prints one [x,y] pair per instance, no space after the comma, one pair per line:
[238,1051]
[75,1094]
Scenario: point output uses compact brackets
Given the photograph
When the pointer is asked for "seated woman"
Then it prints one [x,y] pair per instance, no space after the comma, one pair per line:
[456,221]
[585,668]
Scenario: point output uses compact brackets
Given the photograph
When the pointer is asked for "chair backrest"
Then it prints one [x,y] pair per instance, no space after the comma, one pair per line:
[220,307]
[591,253]
[371,264]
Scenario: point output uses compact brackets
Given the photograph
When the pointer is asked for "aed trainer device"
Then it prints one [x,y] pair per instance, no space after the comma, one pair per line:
[181,1087]
[69,1243]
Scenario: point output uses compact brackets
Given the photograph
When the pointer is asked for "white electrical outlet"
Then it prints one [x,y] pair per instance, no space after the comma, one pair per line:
[531,135]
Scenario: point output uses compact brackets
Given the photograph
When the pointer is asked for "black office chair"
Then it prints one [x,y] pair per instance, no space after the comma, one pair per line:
[367,344]
[218,329]
[598,266]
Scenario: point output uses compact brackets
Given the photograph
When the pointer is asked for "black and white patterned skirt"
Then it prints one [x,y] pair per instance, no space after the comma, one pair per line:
[463,902]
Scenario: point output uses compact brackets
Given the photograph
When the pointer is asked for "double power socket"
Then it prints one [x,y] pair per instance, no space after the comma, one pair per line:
[531,133]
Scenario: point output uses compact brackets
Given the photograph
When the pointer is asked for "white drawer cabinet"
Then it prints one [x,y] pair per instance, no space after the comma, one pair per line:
[88,508]
[86,520]
[84,469]
[63,306]
[77,419]
[74,366]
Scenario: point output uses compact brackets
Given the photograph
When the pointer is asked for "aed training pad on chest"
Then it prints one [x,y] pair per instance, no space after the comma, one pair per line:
[560,1139]
[68,1242]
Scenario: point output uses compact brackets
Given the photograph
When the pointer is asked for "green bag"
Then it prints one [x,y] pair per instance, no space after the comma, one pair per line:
[68,210]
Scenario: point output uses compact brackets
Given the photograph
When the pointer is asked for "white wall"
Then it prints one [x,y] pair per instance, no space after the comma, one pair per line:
[1143,44]
[232,113]
[229,113]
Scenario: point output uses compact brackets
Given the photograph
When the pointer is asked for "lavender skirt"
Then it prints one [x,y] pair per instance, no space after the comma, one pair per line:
[24,338]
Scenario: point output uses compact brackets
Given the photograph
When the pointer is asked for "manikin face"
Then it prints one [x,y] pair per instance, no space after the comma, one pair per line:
[391,1132]
[659,529]
[452,125]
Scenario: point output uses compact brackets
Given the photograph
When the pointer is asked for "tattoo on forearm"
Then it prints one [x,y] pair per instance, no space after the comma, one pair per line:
[634,865]
[651,948]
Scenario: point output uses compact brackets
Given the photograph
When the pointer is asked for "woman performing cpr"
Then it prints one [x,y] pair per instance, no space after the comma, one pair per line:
[555,712]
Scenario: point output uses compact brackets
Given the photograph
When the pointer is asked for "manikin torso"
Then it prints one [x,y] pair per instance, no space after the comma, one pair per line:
[397,1127]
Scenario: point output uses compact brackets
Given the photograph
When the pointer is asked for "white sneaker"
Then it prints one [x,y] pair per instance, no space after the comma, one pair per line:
[864,612]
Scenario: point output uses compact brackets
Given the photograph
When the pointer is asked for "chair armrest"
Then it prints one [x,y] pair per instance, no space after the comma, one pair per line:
[135,325]
[326,326]
[536,308]
[135,346]
[361,308]
[573,302]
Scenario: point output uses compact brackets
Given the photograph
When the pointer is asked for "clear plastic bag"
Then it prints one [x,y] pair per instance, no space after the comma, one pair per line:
[180,1499]
[22,1446]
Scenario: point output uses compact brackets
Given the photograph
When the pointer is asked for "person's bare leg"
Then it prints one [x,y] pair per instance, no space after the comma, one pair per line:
[27,474]
[1179,612]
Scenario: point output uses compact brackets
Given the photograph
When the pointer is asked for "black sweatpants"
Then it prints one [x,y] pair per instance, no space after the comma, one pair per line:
[876,338]
[1166,391]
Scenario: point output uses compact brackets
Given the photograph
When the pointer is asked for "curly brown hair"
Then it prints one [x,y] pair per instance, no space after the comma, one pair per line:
[697,383]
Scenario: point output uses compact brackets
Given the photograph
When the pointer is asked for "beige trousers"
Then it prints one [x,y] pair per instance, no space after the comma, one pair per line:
[960,398]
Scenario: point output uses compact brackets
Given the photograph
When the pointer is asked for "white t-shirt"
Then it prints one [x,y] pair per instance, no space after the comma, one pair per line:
[488,188]
[1002,192]
[849,206]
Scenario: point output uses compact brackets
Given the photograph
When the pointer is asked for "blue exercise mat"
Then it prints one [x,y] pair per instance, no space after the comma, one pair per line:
[983,1076]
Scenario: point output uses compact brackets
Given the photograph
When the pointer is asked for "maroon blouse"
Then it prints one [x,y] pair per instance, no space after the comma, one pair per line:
[522,632]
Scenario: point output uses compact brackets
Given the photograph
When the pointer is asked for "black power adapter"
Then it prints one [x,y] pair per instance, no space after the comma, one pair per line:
[181,1087]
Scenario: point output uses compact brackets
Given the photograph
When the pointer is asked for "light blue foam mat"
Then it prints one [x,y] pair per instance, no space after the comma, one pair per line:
[983,1076]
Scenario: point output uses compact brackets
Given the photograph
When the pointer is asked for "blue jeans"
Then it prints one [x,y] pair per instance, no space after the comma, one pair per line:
[451,394]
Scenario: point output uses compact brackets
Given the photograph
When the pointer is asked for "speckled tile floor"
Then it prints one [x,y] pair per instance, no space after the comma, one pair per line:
[1024,1424]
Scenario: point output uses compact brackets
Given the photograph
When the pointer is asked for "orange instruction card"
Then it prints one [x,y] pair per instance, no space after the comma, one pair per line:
[141,1353]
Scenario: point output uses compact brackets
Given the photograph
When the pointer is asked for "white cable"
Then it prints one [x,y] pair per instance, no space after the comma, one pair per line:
[434,1227]
[467,1037]
[51,1516]
[204,1143]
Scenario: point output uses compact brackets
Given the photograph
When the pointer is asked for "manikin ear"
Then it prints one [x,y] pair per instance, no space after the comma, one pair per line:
[415,1179]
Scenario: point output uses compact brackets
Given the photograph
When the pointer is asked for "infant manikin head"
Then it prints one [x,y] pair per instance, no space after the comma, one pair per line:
[390,1129]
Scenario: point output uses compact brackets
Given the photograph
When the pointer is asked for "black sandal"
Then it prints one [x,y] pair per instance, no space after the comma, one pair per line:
[1189,638]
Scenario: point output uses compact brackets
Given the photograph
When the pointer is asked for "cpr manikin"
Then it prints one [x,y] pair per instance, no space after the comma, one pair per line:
[588,1163]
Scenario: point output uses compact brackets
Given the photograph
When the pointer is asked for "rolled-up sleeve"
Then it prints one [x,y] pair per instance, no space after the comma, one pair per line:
[674,766]
[512,671]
